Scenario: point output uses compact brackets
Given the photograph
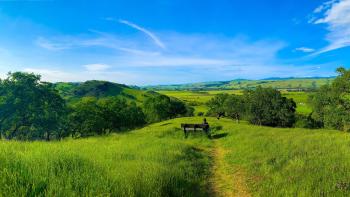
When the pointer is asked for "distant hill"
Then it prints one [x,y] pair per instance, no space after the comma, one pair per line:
[72,91]
[239,84]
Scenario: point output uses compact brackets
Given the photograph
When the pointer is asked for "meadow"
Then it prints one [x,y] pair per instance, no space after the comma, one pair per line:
[198,99]
[153,161]
[157,161]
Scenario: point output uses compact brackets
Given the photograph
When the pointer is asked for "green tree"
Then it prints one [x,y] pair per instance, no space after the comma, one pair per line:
[161,107]
[118,114]
[331,103]
[29,108]
[86,117]
[234,107]
[266,106]
[216,104]
[91,116]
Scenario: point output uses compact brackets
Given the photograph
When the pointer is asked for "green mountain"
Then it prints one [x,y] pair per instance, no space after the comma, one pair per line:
[239,84]
[72,91]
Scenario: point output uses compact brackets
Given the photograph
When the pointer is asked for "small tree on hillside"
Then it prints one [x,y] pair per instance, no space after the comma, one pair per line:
[162,107]
[216,105]
[234,106]
[266,106]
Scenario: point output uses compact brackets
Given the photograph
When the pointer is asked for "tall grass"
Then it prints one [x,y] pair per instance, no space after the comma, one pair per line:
[154,161]
[290,162]
[158,161]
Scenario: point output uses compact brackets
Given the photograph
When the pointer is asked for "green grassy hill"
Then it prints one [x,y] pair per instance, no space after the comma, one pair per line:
[239,84]
[94,88]
[156,160]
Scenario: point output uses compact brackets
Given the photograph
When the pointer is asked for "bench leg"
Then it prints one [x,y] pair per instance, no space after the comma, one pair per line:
[185,132]
[207,131]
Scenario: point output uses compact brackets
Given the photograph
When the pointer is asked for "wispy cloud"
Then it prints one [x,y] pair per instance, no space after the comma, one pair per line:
[53,46]
[97,39]
[336,15]
[150,34]
[96,67]
[187,58]
[57,75]
[305,49]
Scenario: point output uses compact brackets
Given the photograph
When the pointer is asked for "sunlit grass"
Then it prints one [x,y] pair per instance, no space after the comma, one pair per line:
[289,162]
[154,161]
[158,161]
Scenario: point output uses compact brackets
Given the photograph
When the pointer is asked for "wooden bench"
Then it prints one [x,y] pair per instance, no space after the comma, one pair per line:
[195,127]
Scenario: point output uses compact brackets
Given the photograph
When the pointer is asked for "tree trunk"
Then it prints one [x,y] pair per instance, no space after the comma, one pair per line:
[47,136]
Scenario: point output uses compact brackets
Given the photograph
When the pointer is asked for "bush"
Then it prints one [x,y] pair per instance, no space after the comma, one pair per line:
[307,122]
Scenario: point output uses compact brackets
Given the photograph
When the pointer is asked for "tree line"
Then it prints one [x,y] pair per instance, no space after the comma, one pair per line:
[34,110]
[262,106]
[266,106]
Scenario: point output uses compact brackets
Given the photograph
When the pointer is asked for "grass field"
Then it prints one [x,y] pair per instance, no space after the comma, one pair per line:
[153,161]
[198,99]
[157,161]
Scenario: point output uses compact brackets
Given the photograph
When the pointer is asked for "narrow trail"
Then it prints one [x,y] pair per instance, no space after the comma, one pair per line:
[226,181]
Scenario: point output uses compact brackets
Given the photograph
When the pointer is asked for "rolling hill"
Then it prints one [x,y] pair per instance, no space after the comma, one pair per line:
[240,84]
[240,159]
[72,91]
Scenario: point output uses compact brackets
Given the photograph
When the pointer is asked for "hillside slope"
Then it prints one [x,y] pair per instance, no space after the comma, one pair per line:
[99,89]
[240,159]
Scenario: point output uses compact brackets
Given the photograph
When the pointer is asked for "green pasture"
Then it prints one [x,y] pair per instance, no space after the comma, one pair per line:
[158,161]
[198,99]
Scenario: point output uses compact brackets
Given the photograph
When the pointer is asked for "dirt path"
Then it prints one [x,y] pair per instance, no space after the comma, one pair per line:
[226,181]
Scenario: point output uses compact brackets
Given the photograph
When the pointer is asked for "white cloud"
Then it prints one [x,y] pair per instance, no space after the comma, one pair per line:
[336,15]
[96,67]
[305,49]
[156,40]
[49,45]
[188,58]
[324,6]
[56,75]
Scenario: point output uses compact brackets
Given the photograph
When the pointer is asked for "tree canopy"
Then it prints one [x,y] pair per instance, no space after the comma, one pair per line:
[161,107]
[262,106]
[29,108]
[331,103]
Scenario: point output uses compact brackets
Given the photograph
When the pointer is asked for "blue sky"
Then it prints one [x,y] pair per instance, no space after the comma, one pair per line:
[173,41]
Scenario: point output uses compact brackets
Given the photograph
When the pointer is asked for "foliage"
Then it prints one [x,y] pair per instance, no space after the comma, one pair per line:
[29,108]
[101,116]
[263,106]
[266,106]
[161,107]
[235,107]
[331,103]
[216,105]
[307,121]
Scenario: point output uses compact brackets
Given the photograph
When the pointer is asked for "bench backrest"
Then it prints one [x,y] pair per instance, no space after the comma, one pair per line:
[194,125]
